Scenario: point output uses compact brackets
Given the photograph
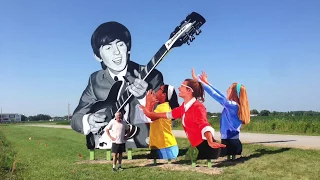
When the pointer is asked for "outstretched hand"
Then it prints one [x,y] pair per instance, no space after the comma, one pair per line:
[204,77]
[194,75]
[216,145]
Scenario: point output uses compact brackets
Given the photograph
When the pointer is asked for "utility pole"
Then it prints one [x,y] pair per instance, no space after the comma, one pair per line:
[68,111]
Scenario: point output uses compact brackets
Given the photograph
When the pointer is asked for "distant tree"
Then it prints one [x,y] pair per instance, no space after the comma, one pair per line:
[264,113]
[254,111]
[39,117]
[23,118]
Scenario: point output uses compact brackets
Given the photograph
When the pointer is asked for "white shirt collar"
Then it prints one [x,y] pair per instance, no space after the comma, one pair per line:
[189,104]
[120,75]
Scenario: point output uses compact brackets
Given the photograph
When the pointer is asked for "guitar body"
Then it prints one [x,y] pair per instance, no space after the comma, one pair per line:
[105,107]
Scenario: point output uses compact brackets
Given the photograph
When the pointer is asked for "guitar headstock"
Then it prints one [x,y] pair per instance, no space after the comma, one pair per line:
[184,33]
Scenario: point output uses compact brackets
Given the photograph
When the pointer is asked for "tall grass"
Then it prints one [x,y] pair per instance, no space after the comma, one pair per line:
[308,125]
[8,159]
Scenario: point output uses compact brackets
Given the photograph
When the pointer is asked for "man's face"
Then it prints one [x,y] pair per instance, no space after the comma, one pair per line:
[114,55]
[118,116]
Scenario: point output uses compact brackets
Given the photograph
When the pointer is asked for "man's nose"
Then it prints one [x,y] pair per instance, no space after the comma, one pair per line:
[116,50]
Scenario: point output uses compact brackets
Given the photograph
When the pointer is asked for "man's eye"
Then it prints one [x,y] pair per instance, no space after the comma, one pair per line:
[107,47]
[120,44]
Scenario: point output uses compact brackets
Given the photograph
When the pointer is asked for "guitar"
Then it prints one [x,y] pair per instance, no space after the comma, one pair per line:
[184,33]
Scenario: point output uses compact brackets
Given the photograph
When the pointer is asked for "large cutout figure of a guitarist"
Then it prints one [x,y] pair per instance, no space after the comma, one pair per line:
[111,44]
[122,84]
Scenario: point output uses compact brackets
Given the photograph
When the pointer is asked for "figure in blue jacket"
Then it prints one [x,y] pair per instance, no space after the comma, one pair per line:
[236,112]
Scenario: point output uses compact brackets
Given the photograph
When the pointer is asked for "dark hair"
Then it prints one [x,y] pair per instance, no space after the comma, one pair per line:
[173,102]
[197,87]
[108,32]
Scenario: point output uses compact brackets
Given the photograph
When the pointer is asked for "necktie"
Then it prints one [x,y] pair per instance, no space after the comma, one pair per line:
[115,78]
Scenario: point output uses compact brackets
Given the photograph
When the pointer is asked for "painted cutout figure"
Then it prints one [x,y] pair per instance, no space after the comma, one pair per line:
[111,44]
[163,143]
[193,115]
[235,112]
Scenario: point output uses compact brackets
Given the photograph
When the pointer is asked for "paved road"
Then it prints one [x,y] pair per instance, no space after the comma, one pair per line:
[294,141]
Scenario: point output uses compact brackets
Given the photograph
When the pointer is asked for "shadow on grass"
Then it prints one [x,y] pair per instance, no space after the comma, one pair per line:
[266,142]
[258,153]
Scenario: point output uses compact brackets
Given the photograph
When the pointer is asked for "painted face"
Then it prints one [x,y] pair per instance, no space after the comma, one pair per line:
[161,97]
[184,90]
[114,55]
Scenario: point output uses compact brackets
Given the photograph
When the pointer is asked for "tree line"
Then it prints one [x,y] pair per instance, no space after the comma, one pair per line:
[254,112]
[276,113]
[43,117]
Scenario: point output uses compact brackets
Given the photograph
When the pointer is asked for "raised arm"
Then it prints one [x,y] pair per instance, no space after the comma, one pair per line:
[174,114]
[214,93]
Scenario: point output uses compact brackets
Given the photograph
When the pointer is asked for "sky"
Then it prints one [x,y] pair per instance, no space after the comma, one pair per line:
[271,47]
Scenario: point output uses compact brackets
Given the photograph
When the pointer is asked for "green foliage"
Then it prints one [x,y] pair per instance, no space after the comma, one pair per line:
[254,111]
[63,123]
[308,125]
[264,113]
[39,117]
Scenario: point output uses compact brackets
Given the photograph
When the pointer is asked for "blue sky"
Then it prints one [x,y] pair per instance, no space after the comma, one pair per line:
[272,47]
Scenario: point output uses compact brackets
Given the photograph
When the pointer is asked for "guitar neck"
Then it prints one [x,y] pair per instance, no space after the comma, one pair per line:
[162,52]
[154,62]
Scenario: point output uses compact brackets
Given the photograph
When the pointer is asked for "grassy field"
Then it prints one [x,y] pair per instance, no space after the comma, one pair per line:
[61,154]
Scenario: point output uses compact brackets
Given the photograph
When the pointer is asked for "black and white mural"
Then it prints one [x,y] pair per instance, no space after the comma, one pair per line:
[117,86]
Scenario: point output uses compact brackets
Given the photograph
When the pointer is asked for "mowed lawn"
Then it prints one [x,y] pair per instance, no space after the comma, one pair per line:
[62,154]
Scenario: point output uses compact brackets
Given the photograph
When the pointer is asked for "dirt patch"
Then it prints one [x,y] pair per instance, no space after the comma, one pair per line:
[163,164]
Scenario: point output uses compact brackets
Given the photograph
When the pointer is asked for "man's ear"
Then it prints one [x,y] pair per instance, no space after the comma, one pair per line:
[97,58]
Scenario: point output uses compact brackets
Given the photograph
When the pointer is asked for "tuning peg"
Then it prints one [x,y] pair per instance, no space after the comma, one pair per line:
[198,31]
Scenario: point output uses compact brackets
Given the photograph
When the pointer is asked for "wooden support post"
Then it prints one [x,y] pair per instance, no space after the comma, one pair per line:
[209,163]
[91,154]
[108,154]
[233,157]
[154,161]
[129,153]
[169,161]
[193,161]
[228,157]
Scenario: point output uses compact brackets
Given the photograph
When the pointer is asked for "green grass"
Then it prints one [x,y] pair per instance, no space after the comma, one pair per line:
[58,160]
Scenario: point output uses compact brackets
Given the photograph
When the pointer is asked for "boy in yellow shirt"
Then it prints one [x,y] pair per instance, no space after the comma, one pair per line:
[162,143]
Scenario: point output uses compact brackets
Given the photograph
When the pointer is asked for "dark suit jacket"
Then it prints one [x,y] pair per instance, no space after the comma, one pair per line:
[98,88]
